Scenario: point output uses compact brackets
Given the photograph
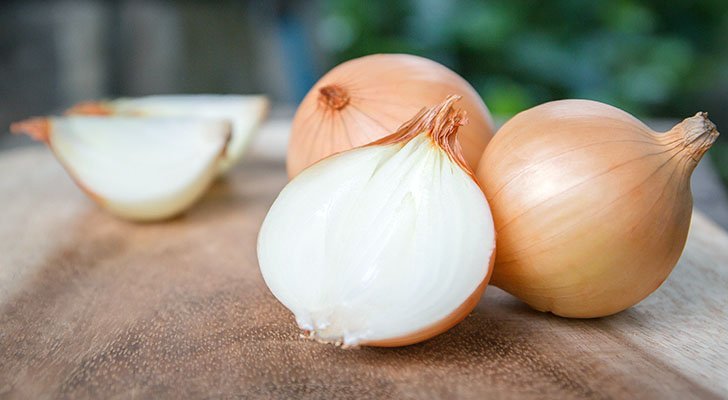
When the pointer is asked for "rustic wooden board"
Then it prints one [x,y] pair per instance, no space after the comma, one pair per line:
[95,307]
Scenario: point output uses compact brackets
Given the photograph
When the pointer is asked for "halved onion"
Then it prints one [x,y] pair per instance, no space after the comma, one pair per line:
[244,112]
[384,245]
[137,168]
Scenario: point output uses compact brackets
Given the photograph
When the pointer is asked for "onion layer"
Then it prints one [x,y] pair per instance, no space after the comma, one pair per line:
[367,98]
[385,245]
[592,208]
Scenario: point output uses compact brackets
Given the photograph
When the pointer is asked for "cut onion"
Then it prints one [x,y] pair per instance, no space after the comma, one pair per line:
[384,245]
[137,168]
[244,112]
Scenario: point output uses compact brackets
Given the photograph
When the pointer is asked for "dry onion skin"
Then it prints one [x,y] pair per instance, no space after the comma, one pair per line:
[244,112]
[142,169]
[365,99]
[384,245]
[592,208]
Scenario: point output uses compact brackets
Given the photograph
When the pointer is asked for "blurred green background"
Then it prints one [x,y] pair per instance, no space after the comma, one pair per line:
[643,56]
[654,59]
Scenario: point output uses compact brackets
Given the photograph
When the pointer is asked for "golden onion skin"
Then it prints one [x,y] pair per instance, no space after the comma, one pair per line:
[591,207]
[367,98]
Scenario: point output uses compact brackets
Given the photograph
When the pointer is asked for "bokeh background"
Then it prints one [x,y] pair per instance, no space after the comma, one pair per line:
[655,59]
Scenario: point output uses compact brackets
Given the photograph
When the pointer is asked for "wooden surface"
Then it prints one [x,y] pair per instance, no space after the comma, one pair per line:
[95,307]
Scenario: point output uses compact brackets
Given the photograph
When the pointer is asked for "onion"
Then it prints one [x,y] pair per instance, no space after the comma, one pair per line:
[367,98]
[592,208]
[385,245]
[139,168]
[245,113]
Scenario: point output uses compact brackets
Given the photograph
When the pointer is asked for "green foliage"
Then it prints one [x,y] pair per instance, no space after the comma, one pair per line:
[647,57]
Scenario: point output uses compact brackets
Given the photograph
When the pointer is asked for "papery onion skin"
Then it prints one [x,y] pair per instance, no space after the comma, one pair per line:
[367,98]
[295,230]
[591,207]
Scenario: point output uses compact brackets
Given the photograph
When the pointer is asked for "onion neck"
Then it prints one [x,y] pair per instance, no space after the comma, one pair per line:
[698,134]
[334,97]
[38,128]
[441,124]
[89,108]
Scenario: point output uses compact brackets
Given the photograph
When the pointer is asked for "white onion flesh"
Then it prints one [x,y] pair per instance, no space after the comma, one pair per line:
[140,168]
[244,112]
[377,243]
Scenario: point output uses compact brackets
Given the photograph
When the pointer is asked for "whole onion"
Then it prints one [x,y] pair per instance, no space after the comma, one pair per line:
[591,207]
[367,98]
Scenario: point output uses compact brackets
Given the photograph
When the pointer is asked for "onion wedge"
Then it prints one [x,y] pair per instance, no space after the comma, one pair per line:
[137,168]
[244,112]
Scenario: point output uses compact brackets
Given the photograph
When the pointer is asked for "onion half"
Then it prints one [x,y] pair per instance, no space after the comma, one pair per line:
[245,113]
[136,168]
[384,245]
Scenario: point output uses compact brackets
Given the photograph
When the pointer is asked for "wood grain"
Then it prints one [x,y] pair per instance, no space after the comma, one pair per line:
[95,307]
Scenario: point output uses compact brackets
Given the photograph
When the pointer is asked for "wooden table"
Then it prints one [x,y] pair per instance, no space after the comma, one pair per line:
[95,307]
